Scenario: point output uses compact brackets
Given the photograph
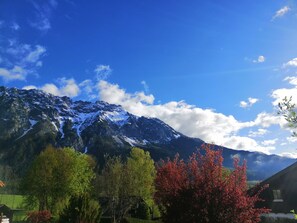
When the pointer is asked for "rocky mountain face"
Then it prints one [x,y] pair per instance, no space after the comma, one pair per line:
[32,119]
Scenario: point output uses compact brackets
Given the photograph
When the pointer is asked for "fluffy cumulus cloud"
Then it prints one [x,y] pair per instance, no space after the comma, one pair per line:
[249,103]
[291,63]
[281,12]
[260,59]
[192,121]
[266,120]
[279,94]
[66,87]
[15,73]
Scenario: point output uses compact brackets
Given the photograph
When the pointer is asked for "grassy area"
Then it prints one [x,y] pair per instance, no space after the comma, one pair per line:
[19,216]
[16,202]
[11,200]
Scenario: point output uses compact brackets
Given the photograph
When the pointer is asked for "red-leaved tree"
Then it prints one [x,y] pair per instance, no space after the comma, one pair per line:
[202,190]
[39,216]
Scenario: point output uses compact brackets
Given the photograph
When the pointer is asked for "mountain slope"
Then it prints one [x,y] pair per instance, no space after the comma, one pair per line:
[31,119]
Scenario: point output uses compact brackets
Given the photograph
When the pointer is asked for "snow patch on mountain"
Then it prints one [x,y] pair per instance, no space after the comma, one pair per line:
[32,123]
[118,117]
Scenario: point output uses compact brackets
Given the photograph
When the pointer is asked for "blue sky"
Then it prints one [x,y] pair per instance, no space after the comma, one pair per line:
[211,69]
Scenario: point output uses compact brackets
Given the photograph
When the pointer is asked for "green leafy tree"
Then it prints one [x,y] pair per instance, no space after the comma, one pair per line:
[55,175]
[127,184]
[288,109]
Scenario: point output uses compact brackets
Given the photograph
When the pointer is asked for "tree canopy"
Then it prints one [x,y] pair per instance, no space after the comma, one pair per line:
[128,183]
[288,110]
[55,175]
[200,191]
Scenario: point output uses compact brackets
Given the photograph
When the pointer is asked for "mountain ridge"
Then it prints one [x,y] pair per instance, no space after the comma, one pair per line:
[31,119]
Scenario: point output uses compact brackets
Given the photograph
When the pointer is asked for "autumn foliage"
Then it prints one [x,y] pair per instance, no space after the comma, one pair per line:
[201,190]
[39,216]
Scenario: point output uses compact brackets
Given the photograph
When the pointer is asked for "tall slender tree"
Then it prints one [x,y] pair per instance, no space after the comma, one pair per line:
[128,183]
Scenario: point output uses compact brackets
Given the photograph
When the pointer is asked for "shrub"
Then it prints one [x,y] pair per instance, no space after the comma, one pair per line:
[81,209]
[39,216]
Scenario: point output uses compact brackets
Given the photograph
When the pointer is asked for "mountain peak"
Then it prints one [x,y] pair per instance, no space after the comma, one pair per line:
[32,119]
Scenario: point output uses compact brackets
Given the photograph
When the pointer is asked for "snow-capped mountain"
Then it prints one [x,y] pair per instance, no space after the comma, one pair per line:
[24,110]
[32,119]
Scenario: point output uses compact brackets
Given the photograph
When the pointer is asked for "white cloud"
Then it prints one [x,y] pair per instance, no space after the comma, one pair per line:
[102,72]
[190,120]
[261,59]
[29,87]
[66,87]
[113,94]
[52,89]
[20,60]
[281,93]
[34,55]
[281,12]
[145,86]
[243,104]
[89,88]
[259,132]
[245,143]
[42,23]
[292,155]
[292,139]
[16,73]
[291,63]
[266,120]
[269,142]
[249,103]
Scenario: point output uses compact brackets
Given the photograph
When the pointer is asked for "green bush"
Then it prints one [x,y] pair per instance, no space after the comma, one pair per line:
[81,209]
